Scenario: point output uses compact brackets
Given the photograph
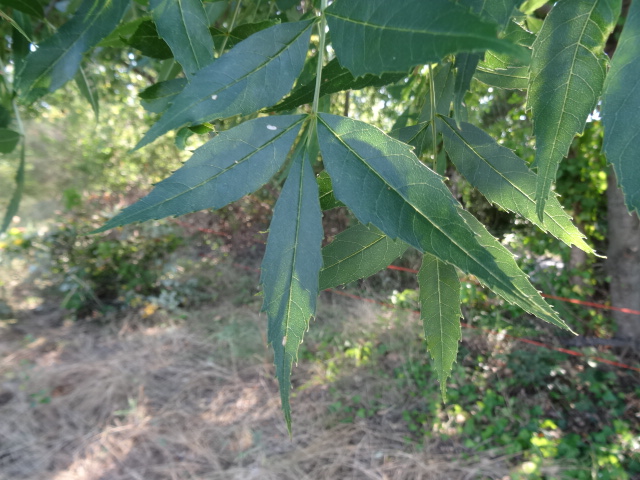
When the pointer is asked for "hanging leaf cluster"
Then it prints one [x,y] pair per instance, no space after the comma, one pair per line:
[269,74]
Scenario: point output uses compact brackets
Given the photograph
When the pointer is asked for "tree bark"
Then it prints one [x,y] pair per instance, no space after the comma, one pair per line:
[578,257]
[623,261]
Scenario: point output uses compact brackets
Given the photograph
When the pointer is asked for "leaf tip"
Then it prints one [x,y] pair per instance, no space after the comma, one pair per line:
[138,145]
[287,419]
[101,229]
[443,390]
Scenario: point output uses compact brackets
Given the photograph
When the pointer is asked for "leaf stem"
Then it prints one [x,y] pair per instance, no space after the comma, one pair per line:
[16,26]
[231,25]
[18,118]
[434,134]
[322,27]
[255,12]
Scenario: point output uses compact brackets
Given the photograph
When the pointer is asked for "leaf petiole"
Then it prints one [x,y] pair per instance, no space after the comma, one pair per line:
[322,39]
[434,133]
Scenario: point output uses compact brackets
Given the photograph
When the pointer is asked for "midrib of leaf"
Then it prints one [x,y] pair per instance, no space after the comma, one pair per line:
[325,194]
[419,132]
[570,75]
[488,162]
[186,31]
[14,203]
[470,147]
[435,275]
[543,188]
[89,26]
[241,78]
[384,181]
[167,93]
[469,35]
[291,272]
[503,73]
[91,97]
[234,165]
[437,227]
[290,269]
[440,309]
[571,237]
[15,25]
[441,315]
[356,253]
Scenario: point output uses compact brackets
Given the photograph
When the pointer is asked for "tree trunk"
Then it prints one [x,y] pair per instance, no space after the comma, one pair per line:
[623,261]
[578,257]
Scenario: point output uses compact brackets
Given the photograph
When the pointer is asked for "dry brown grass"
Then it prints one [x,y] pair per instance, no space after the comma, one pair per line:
[166,400]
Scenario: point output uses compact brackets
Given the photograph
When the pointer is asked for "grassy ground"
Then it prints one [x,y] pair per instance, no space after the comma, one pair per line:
[189,393]
[162,398]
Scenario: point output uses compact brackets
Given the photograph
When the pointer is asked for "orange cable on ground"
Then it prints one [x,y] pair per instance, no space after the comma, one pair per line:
[203,230]
[520,339]
[466,325]
[553,297]
[411,270]
[592,304]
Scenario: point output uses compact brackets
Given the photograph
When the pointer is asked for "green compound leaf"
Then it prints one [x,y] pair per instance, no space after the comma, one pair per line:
[530,6]
[290,269]
[256,73]
[358,252]
[620,107]
[57,59]
[440,313]
[327,198]
[88,91]
[159,96]
[147,40]
[503,71]
[504,179]
[511,78]
[504,258]
[335,79]
[30,7]
[184,26]
[466,64]
[383,183]
[418,136]
[240,33]
[517,34]
[497,11]
[20,46]
[8,140]
[119,37]
[444,80]
[377,36]
[444,83]
[226,168]
[568,68]
[5,117]
[14,203]
[16,26]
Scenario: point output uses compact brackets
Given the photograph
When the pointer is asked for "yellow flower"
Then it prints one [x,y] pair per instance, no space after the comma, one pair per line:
[149,310]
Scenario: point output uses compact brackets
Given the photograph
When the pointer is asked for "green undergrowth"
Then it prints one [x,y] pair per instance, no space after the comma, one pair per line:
[544,411]
[538,407]
[149,267]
